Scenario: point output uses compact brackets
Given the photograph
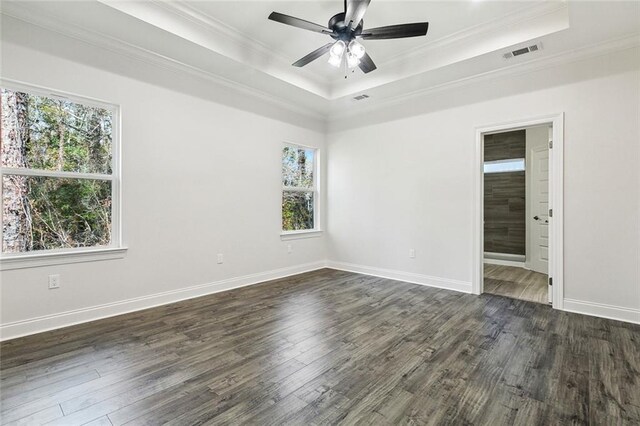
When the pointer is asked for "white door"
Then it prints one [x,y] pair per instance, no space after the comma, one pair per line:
[539,209]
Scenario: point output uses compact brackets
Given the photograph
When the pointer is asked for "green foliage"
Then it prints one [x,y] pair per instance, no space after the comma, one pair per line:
[69,212]
[297,174]
[68,136]
[61,135]
[297,211]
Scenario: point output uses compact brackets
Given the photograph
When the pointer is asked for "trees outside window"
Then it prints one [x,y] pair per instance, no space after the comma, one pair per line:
[299,188]
[57,172]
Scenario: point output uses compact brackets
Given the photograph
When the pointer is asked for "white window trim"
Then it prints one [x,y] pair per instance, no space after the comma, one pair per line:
[61,257]
[115,250]
[301,234]
[317,230]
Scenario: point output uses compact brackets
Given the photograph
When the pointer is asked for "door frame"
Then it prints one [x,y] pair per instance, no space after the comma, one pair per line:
[556,174]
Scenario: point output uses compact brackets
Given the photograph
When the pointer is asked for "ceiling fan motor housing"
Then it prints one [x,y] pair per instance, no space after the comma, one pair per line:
[341,30]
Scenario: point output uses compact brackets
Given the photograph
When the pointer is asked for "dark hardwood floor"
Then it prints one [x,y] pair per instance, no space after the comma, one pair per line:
[517,283]
[329,347]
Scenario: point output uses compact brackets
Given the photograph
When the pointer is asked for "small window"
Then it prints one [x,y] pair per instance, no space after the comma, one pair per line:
[58,173]
[299,188]
[503,166]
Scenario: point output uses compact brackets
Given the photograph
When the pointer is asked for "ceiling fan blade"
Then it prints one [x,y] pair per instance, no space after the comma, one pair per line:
[366,64]
[355,12]
[313,55]
[396,31]
[299,23]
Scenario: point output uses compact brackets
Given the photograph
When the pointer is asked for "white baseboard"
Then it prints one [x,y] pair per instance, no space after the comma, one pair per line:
[410,277]
[64,319]
[603,311]
[504,263]
[504,259]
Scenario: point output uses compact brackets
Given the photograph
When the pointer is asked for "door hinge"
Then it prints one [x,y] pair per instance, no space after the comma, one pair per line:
[550,212]
[550,144]
[550,281]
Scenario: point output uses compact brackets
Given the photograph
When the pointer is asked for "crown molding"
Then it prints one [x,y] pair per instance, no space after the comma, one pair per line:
[134,52]
[323,114]
[534,65]
[249,44]
[189,24]
[518,17]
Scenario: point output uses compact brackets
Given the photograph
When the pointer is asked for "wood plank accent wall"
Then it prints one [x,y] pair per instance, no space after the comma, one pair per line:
[504,196]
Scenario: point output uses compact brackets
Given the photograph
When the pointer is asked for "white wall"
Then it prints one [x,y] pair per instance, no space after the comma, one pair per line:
[408,183]
[199,178]
[399,178]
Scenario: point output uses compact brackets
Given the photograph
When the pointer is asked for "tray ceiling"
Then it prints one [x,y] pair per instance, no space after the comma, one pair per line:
[234,42]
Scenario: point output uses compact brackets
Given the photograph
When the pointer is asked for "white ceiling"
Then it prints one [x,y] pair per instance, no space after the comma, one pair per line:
[236,43]
[292,43]
[458,30]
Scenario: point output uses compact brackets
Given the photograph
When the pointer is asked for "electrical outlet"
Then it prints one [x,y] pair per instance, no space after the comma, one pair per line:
[412,253]
[54,281]
[289,248]
[220,258]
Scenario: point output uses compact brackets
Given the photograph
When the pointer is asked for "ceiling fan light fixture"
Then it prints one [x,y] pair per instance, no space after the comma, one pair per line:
[356,49]
[352,60]
[335,60]
[338,48]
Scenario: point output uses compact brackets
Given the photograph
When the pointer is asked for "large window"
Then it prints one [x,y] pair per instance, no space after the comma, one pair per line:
[299,189]
[59,173]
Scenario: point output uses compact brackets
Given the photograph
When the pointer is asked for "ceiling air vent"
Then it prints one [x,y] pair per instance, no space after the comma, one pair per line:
[360,97]
[522,51]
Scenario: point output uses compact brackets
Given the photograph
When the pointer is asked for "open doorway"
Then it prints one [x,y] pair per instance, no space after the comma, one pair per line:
[516,205]
[519,236]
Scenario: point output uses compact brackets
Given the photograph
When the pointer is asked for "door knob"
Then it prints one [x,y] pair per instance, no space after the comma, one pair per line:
[536,218]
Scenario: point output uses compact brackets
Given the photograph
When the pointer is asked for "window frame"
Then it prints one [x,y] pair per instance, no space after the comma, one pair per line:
[317,230]
[115,249]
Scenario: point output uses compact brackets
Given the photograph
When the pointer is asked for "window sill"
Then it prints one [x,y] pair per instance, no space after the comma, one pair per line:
[295,235]
[60,258]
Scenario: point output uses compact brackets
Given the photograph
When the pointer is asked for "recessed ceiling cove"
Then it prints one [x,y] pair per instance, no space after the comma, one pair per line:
[458,31]
[235,44]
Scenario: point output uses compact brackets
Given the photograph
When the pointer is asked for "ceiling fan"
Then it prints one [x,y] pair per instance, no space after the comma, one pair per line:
[345,28]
